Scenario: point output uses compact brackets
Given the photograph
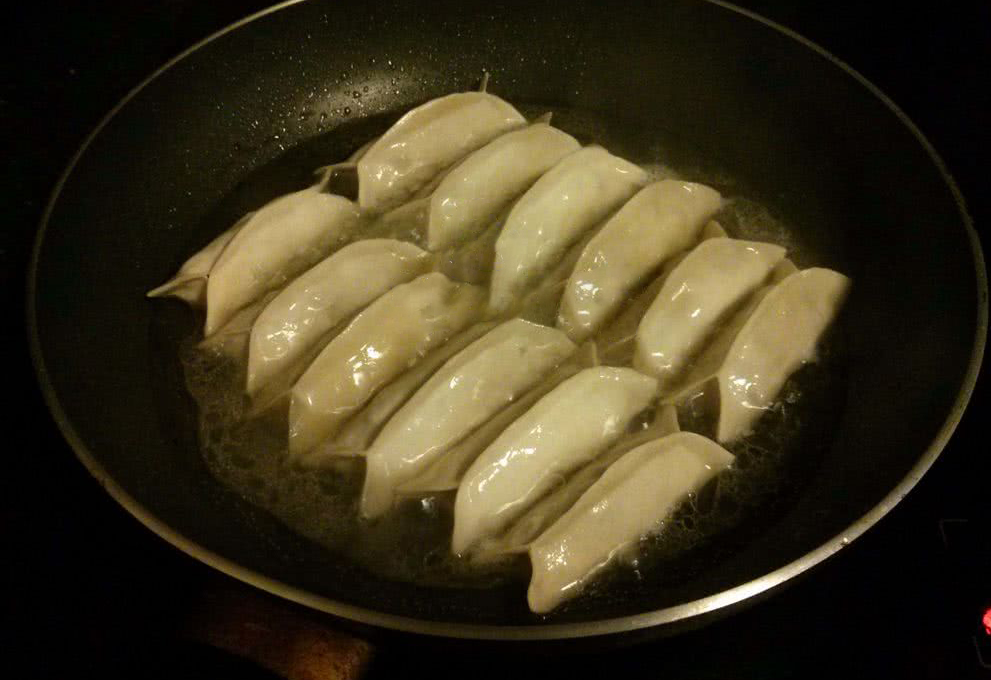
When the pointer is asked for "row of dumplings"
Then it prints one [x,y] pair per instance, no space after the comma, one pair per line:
[370,317]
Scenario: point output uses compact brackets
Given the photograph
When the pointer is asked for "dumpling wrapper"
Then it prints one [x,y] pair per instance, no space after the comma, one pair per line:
[408,222]
[560,433]
[189,284]
[661,220]
[473,194]
[358,433]
[446,473]
[471,262]
[282,239]
[464,393]
[232,338]
[616,338]
[548,509]
[771,337]
[427,140]
[706,285]
[630,500]
[390,336]
[322,298]
[342,178]
[575,195]
[542,302]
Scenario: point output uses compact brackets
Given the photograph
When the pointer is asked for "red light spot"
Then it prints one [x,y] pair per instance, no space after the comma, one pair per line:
[986,620]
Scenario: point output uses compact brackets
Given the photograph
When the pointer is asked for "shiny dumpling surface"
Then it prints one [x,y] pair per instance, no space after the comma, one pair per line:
[781,334]
[769,338]
[631,499]
[711,280]
[470,388]
[446,473]
[661,220]
[564,430]
[472,195]
[361,429]
[323,297]
[616,340]
[427,140]
[391,335]
[548,509]
[574,196]
[279,241]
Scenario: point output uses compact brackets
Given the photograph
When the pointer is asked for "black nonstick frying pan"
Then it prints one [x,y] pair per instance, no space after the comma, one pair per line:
[246,115]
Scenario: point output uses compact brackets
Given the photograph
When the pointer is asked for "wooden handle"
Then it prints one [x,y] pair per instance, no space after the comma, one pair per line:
[277,636]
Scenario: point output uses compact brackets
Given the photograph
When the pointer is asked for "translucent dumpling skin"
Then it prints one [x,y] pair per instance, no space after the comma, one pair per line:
[427,140]
[561,432]
[712,279]
[548,509]
[357,434]
[392,334]
[574,196]
[446,473]
[745,365]
[469,389]
[280,240]
[779,336]
[302,314]
[628,501]
[616,339]
[473,194]
[189,284]
[661,220]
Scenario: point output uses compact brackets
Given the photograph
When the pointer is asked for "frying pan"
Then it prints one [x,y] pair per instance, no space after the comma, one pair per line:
[710,90]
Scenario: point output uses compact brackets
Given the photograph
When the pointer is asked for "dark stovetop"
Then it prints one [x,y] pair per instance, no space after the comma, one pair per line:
[86,589]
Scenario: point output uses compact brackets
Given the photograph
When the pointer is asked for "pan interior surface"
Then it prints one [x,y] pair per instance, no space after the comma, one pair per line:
[703,89]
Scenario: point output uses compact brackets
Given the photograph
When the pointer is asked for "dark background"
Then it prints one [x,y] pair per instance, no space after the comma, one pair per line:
[85,589]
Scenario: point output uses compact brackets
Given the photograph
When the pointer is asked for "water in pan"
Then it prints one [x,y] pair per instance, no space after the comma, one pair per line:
[412,542]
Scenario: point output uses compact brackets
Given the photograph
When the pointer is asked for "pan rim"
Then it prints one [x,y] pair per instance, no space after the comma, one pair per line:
[536,631]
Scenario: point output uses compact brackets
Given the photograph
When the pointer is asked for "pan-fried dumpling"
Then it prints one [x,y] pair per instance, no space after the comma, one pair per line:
[282,239]
[713,278]
[631,499]
[470,388]
[427,140]
[310,307]
[380,343]
[560,433]
[574,196]
[750,359]
[346,164]
[615,339]
[473,194]
[342,178]
[542,302]
[660,221]
[231,339]
[357,434]
[189,283]
[471,262]
[446,473]
[548,509]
